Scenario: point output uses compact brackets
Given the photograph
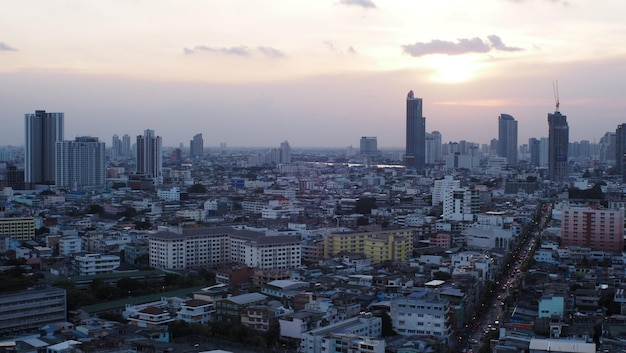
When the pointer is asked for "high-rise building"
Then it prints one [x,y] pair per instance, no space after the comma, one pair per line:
[433,148]
[285,153]
[149,159]
[598,229]
[116,148]
[80,164]
[558,143]
[507,139]
[126,150]
[368,145]
[620,150]
[415,155]
[42,132]
[534,148]
[196,146]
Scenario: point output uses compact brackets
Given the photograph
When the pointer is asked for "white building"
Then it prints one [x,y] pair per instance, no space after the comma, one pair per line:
[366,326]
[80,164]
[69,245]
[222,245]
[441,187]
[347,342]
[171,194]
[461,204]
[421,313]
[93,264]
[196,311]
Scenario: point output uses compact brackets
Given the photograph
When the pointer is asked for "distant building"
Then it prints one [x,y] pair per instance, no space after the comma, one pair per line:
[433,148]
[534,147]
[422,314]
[149,159]
[321,339]
[196,146]
[284,153]
[95,264]
[28,310]
[368,145]
[415,156]
[507,139]
[80,164]
[387,245]
[620,150]
[42,132]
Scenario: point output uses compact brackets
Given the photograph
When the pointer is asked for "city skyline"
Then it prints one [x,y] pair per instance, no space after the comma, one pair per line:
[319,74]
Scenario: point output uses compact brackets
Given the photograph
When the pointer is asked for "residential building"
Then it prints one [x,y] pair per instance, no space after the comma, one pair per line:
[620,150]
[507,139]
[421,313]
[80,164]
[598,229]
[230,309]
[94,264]
[415,156]
[42,132]
[433,148]
[394,244]
[461,204]
[149,159]
[223,245]
[18,228]
[346,342]
[196,311]
[284,153]
[70,244]
[30,309]
[366,326]
[150,317]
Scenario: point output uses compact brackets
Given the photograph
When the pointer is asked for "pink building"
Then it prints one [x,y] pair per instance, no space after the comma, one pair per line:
[598,229]
[442,240]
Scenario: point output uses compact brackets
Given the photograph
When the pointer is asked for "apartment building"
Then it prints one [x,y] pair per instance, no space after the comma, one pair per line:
[598,229]
[421,313]
[213,247]
[378,246]
[19,228]
[95,264]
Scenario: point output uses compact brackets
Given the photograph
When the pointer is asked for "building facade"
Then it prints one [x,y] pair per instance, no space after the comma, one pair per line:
[598,229]
[368,145]
[42,132]
[95,264]
[196,146]
[18,228]
[80,164]
[421,313]
[415,156]
[507,139]
[28,310]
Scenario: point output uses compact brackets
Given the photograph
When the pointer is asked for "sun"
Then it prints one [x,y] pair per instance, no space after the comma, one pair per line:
[452,69]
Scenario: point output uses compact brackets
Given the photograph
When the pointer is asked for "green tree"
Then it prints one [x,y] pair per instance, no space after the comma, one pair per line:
[365,205]
[197,189]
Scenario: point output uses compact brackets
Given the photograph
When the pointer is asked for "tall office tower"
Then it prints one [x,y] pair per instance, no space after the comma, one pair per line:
[534,148]
[126,151]
[80,164]
[493,147]
[415,155]
[42,132]
[433,148]
[149,160]
[507,139]
[284,153]
[368,145]
[543,152]
[608,147]
[116,148]
[585,149]
[620,149]
[558,142]
[196,146]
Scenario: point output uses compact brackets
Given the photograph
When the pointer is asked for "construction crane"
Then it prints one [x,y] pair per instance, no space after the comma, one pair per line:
[555,88]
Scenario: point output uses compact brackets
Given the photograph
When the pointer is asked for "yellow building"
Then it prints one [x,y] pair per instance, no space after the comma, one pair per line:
[22,228]
[379,246]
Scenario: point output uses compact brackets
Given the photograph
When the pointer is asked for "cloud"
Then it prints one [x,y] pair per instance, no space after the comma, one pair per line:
[496,43]
[239,51]
[461,46]
[366,4]
[271,52]
[6,47]
[436,46]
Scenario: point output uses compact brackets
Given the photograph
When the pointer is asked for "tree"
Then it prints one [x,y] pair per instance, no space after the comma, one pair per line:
[95,209]
[387,325]
[365,205]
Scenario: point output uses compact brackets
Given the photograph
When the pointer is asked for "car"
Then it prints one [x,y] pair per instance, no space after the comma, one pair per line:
[473,341]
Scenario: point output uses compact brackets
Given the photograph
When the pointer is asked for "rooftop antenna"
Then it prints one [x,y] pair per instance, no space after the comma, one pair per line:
[555,88]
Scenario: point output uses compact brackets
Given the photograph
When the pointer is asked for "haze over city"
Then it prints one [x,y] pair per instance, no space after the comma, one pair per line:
[316,73]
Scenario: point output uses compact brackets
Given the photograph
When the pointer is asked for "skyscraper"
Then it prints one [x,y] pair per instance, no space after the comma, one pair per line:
[415,155]
[80,164]
[42,132]
[433,148]
[534,147]
[196,146]
[507,139]
[620,150]
[116,148]
[149,160]
[126,151]
[558,143]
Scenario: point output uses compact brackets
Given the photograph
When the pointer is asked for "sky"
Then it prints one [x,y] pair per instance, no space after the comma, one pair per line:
[322,73]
